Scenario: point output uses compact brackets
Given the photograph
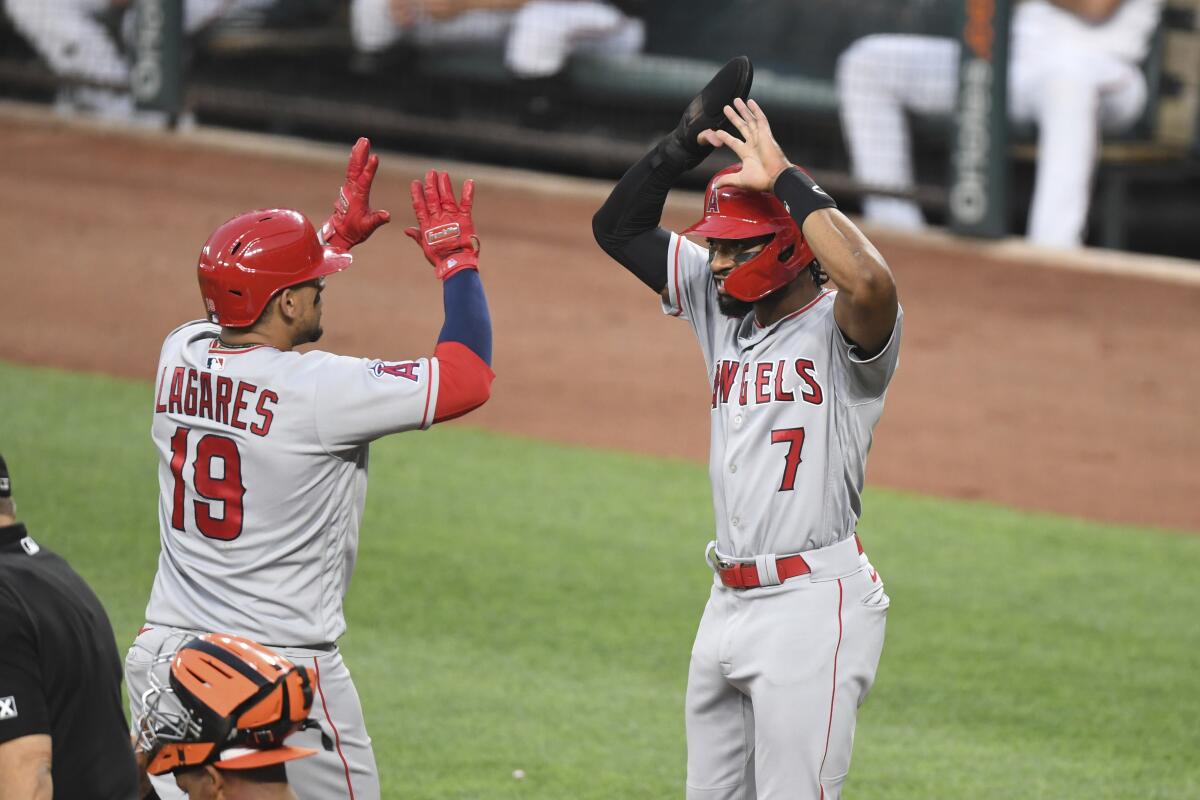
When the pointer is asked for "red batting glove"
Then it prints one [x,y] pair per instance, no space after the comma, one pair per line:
[444,227]
[353,221]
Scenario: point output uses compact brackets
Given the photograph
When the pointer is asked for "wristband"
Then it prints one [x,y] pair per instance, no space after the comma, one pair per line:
[801,194]
[329,236]
[454,263]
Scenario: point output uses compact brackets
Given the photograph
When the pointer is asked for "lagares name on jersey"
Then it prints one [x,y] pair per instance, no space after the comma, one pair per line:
[202,394]
[766,382]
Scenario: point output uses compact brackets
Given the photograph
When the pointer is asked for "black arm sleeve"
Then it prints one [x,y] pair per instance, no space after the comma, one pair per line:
[626,226]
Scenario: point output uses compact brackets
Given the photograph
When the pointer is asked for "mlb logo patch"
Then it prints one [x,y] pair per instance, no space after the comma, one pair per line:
[216,363]
[8,707]
[5,486]
[30,546]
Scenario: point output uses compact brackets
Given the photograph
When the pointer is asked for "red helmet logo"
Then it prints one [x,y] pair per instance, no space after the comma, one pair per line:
[734,213]
[714,204]
[254,255]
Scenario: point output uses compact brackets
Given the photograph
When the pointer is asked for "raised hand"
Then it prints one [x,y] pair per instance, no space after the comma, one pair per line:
[353,220]
[444,228]
[762,157]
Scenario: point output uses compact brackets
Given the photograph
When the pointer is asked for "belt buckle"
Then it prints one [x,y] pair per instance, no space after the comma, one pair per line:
[715,559]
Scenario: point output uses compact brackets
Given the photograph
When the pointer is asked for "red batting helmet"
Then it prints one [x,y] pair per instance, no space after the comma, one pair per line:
[731,212]
[256,254]
[228,702]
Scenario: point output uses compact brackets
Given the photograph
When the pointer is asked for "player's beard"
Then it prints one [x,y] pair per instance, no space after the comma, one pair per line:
[308,334]
[730,306]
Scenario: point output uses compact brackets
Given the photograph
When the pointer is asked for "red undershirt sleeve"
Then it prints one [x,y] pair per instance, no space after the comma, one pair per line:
[465,383]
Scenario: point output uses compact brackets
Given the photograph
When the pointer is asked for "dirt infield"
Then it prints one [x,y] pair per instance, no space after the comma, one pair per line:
[1038,388]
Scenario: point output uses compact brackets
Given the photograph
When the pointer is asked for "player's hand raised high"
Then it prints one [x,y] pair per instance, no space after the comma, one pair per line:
[444,228]
[762,157]
[353,219]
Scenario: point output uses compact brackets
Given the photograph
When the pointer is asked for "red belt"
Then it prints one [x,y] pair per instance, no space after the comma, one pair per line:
[739,575]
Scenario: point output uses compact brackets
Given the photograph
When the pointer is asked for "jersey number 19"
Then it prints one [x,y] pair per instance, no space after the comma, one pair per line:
[210,486]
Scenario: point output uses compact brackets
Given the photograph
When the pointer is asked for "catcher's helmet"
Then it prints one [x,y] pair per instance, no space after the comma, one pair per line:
[731,212]
[228,702]
[256,254]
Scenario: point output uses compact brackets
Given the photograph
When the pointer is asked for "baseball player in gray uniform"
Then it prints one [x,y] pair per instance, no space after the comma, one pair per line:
[263,450]
[791,636]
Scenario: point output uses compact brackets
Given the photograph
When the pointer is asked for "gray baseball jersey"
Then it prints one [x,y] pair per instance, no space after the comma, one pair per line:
[793,410]
[262,480]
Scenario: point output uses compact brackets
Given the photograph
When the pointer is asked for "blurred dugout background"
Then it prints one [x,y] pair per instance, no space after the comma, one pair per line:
[585,86]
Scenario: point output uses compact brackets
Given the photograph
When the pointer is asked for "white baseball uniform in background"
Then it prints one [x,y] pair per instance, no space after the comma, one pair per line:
[793,410]
[1072,78]
[71,37]
[262,479]
[538,37]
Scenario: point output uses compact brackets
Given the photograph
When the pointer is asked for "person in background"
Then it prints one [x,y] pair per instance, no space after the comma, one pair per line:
[75,38]
[62,723]
[538,35]
[1074,71]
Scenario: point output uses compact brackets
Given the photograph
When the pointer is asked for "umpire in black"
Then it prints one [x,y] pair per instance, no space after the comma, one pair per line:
[62,725]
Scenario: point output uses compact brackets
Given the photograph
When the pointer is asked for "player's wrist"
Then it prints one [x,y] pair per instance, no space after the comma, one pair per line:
[800,193]
[453,263]
[775,170]
[331,236]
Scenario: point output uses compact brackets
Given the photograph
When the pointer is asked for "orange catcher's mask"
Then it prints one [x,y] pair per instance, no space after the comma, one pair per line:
[257,254]
[731,212]
[228,702]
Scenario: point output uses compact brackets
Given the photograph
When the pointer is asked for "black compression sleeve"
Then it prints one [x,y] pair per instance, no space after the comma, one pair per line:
[626,226]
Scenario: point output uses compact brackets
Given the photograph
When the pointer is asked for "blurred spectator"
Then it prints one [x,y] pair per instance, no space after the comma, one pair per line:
[62,722]
[1074,70]
[538,35]
[77,39]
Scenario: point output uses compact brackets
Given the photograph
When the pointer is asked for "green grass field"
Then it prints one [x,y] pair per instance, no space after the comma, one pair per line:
[510,611]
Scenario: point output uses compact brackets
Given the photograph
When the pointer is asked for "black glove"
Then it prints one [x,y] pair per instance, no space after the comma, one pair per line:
[680,149]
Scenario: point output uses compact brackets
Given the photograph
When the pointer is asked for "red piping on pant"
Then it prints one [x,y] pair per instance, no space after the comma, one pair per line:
[833,692]
[337,739]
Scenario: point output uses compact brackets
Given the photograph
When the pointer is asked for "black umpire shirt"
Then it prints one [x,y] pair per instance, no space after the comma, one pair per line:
[60,673]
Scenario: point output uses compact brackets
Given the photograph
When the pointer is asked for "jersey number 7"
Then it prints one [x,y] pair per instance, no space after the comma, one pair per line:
[794,437]
[226,489]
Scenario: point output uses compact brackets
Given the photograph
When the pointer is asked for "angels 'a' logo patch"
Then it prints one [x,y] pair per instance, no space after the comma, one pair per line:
[714,207]
[400,369]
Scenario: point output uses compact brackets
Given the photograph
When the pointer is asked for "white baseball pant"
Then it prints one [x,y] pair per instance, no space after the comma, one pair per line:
[546,32]
[346,772]
[776,679]
[69,35]
[1072,94]
[71,38]
[538,37]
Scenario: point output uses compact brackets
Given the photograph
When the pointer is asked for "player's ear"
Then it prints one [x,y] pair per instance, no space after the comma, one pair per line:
[215,781]
[286,303]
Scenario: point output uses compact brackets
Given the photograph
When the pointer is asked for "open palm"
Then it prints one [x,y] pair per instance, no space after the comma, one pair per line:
[762,157]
